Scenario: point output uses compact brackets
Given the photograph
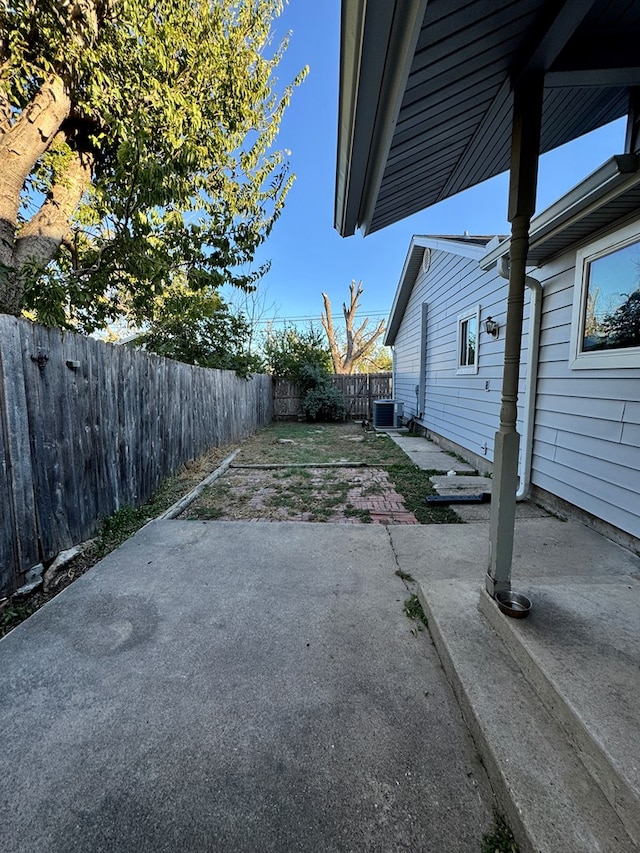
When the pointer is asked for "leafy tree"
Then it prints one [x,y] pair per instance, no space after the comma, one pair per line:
[136,147]
[289,349]
[621,328]
[199,328]
[348,357]
[379,360]
[304,357]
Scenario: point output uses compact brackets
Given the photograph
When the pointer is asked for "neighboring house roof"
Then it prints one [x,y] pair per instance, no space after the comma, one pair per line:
[602,199]
[426,92]
[466,246]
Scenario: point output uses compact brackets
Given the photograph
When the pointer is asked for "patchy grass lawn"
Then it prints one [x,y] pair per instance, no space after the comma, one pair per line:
[288,494]
[414,485]
[287,443]
[317,494]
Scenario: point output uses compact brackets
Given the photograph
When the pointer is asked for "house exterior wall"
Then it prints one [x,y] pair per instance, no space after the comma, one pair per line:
[587,434]
[465,408]
[586,440]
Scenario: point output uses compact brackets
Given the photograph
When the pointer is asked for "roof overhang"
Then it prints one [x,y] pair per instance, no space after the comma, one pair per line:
[602,200]
[474,248]
[426,92]
[378,39]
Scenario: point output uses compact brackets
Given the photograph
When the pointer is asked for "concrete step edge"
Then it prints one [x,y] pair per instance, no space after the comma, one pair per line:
[620,794]
[547,795]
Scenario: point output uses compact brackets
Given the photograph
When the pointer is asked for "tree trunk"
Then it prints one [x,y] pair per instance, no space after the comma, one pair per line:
[358,345]
[21,146]
[327,324]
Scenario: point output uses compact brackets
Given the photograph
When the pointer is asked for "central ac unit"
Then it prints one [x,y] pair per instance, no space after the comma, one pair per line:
[387,414]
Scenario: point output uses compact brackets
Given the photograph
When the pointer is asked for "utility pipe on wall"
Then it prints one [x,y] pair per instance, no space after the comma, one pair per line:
[531,378]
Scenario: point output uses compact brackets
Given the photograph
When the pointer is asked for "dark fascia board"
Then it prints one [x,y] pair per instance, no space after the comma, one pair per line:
[452,245]
[377,43]
[608,182]
[352,102]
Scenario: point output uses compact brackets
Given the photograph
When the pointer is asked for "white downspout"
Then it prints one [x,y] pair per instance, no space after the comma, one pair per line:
[393,372]
[531,379]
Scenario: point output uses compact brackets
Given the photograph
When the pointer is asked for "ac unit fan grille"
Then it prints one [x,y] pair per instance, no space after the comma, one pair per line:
[386,414]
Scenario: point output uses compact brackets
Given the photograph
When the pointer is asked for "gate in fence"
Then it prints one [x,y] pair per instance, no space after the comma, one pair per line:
[358,389]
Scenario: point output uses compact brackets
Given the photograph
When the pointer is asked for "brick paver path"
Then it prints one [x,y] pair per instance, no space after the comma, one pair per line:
[252,495]
[387,507]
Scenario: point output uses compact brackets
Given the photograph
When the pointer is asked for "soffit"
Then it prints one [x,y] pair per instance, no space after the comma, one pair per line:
[451,126]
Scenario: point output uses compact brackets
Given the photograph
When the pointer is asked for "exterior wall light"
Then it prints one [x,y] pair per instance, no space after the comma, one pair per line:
[492,328]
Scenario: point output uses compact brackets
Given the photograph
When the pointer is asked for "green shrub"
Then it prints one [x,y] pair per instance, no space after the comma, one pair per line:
[321,400]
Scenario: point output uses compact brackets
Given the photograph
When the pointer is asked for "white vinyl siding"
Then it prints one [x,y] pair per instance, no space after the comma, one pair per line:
[587,433]
[407,352]
[456,406]
[586,447]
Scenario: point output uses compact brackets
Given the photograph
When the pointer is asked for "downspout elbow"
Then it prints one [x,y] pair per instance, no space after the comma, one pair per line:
[503,267]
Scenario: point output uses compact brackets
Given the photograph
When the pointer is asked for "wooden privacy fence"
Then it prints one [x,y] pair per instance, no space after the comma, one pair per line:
[359,391]
[87,427]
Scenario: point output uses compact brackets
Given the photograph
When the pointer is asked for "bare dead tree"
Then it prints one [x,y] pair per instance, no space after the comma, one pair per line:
[357,344]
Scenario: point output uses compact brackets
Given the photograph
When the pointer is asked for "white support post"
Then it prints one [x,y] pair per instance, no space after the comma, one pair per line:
[525,149]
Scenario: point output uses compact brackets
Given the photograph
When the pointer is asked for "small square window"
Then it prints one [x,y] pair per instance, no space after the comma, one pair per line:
[468,325]
[606,310]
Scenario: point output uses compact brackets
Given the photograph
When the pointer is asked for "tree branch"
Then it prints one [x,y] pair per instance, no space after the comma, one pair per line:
[41,237]
[24,143]
[5,108]
[368,343]
[357,344]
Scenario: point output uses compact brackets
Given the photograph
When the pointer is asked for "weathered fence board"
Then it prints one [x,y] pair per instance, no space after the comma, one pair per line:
[359,391]
[21,546]
[87,427]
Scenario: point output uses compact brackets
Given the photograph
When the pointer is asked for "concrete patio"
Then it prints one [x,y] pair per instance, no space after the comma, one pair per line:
[551,701]
[427,455]
[232,686]
[240,686]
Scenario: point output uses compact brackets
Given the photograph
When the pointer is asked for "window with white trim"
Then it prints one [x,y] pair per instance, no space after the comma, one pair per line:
[468,326]
[605,328]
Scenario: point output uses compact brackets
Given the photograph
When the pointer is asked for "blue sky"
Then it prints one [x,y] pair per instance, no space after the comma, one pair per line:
[307,255]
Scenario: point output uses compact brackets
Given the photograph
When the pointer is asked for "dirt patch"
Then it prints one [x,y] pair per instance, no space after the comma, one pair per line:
[338,495]
[389,490]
